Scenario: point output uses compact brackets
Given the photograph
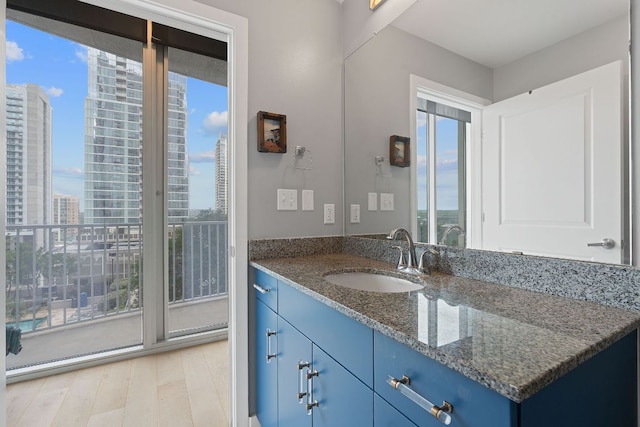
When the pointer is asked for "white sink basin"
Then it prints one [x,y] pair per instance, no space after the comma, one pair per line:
[372,282]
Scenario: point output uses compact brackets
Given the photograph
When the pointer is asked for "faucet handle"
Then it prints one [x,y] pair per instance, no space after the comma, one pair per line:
[402,262]
[423,266]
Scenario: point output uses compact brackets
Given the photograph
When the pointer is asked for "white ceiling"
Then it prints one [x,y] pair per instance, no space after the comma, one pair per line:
[497,32]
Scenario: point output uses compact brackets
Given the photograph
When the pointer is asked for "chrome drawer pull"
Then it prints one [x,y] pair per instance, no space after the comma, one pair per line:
[301,366]
[441,413]
[261,289]
[269,354]
[310,402]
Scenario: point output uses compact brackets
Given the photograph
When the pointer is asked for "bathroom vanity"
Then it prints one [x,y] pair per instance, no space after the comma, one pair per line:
[481,354]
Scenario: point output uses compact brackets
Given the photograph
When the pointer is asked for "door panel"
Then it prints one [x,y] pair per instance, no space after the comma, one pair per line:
[551,169]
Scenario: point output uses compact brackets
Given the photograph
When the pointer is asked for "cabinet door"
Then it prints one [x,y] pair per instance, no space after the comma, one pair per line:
[266,367]
[293,349]
[385,415]
[343,400]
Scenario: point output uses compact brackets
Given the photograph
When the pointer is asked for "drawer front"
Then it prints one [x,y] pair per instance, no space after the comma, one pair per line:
[346,340]
[266,289]
[473,404]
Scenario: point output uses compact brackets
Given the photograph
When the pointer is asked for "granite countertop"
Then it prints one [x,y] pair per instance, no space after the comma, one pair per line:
[512,340]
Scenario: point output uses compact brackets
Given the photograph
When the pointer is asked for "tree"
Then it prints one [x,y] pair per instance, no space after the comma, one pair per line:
[211,215]
[20,268]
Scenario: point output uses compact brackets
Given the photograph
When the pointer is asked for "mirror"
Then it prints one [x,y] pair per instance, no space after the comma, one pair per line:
[493,50]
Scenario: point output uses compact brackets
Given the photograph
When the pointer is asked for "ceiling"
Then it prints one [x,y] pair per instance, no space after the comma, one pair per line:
[497,32]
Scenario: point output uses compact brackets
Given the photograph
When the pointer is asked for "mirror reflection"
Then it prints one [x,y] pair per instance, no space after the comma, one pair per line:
[517,121]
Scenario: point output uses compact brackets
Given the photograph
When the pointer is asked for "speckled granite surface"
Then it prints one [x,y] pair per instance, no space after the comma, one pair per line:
[516,341]
[614,285]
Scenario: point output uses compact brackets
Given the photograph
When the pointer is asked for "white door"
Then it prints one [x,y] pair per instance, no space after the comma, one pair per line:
[552,179]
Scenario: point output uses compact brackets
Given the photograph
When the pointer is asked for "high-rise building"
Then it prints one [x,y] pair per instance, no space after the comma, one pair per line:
[66,210]
[221,174]
[28,148]
[113,142]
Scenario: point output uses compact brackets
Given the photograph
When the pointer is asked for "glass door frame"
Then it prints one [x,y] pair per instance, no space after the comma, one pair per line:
[233,29]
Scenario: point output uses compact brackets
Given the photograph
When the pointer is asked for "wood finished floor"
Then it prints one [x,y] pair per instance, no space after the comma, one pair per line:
[187,387]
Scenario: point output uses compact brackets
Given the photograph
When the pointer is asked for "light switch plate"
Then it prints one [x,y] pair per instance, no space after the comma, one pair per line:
[287,200]
[307,200]
[329,214]
[355,214]
[372,204]
[386,202]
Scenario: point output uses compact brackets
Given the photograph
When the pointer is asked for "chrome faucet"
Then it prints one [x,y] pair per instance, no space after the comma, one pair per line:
[449,229]
[411,265]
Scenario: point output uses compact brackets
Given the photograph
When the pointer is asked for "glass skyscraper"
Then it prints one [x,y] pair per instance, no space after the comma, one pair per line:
[28,155]
[113,142]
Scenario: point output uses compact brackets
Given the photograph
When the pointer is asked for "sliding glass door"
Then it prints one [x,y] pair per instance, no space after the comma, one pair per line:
[81,168]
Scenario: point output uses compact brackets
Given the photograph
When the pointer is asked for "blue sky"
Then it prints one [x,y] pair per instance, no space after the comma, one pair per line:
[59,67]
[446,162]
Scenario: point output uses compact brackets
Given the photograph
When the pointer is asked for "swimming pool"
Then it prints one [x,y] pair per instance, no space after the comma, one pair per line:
[28,325]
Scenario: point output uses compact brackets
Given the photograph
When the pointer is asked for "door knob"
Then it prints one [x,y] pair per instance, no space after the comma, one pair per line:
[606,243]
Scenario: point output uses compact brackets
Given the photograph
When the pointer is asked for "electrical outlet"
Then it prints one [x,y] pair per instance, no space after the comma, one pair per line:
[307,200]
[329,214]
[355,214]
[287,200]
[386,202]
[372,204]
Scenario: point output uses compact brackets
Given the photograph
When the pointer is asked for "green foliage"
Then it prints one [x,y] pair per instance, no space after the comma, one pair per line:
[211,215]
[21,270]
[124,293]
[175,265]
[11,310]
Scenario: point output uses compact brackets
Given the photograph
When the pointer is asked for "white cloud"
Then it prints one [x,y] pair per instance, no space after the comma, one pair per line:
[202,157]
[194,171]
[68,172]
[14,52]
[81,53]
[54,92]
[215,121]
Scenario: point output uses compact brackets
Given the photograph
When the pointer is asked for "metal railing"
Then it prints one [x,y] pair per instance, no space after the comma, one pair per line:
[62,274]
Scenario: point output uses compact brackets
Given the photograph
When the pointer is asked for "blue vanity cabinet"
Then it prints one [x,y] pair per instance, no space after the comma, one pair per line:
[473,404]
[600,392]
[311,338]
[266,365]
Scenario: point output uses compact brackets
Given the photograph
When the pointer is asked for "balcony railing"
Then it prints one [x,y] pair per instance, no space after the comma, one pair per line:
[62,274]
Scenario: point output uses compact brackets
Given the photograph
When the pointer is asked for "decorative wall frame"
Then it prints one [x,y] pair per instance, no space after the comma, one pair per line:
[272,132]
[399,151]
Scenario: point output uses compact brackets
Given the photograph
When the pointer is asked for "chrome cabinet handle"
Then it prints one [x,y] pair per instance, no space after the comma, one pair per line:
[270,355]
[301,366]
[441,413]
[310,402]
[606,243]
[261,289]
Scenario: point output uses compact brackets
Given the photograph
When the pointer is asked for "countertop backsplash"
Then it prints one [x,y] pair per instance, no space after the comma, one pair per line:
[609,284]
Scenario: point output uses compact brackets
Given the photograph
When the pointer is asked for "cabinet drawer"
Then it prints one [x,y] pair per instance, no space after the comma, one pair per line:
[346,340]
[473,404]
[266,289]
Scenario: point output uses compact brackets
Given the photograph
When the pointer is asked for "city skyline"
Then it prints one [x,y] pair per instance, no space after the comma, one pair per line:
[30,52]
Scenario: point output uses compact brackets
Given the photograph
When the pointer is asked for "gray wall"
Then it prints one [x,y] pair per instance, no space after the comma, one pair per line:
[295,68]
[377,106]
[599,46]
